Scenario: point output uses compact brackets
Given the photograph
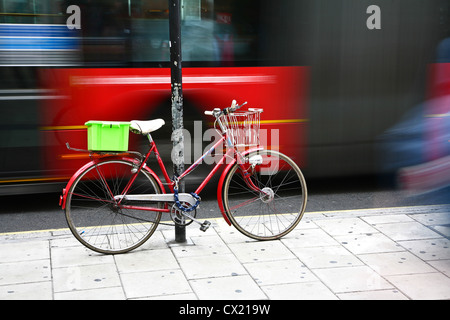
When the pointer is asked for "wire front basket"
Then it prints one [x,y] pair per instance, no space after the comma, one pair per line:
[243,127]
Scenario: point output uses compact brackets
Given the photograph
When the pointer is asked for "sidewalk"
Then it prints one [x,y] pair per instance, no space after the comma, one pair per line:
[393,253]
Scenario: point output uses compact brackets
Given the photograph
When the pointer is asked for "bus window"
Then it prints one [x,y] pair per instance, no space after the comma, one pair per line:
[212,31]
[32,12]
[150,31]
[106,32]
[136,32]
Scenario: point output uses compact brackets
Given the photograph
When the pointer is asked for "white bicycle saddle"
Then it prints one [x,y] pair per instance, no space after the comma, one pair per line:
[146,127]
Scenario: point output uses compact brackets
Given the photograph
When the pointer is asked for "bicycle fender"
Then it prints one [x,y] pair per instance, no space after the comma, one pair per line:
[219,192]
[63,197]
[222,180]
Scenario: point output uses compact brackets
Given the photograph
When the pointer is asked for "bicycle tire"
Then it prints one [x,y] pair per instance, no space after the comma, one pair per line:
[93,215]
[273,213]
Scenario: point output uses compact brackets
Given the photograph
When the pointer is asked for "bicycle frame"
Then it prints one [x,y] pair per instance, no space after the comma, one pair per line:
[172,183]
[231,153]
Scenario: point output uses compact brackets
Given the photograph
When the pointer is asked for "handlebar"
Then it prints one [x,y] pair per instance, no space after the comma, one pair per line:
[217,112]
[211,113]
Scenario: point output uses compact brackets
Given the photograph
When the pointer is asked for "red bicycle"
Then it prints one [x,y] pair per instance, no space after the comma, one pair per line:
[114,203]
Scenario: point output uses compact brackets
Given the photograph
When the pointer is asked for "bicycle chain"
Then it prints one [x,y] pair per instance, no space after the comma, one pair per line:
[180,206]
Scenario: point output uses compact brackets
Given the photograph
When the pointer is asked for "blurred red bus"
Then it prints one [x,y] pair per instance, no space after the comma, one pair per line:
[116,68]
[330,86]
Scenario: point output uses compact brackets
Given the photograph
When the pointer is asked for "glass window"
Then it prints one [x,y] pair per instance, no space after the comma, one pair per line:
[212,31]
[32,11]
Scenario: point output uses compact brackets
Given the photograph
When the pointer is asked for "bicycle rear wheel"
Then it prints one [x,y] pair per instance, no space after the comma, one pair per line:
[95,217]
[273,203]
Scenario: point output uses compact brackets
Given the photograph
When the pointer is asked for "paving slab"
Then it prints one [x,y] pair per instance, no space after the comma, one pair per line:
[232,288]
[386,253]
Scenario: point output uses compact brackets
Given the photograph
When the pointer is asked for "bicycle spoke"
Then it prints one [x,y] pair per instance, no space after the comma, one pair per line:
[98,221]
[274,210]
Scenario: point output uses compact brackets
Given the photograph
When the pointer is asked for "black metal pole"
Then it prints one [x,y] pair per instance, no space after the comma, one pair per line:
[177,101]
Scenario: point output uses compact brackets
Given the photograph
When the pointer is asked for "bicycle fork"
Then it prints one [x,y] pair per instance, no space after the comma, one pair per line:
[253,161]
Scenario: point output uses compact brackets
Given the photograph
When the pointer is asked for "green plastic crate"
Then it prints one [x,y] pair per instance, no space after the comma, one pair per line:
[108,135]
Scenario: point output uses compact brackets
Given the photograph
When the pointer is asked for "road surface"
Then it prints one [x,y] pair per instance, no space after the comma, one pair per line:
[41,211]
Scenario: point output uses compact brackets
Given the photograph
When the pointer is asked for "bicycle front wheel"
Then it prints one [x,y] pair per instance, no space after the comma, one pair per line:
[96,218]
[266,199]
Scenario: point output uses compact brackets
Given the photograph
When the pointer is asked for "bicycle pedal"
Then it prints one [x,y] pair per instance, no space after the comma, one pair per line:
[205,226]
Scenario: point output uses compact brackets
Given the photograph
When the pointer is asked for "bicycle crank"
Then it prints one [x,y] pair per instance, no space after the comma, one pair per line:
[178,218]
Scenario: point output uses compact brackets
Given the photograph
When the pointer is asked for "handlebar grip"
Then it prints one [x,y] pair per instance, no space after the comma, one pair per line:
[209,113]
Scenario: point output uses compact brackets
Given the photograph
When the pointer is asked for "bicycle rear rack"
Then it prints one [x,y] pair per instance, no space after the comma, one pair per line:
[106,153]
